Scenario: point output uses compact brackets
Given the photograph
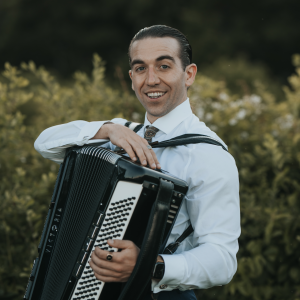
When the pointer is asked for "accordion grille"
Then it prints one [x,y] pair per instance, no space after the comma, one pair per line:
[92,171]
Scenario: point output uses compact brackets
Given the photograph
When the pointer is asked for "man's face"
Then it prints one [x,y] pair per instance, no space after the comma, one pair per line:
[157,75]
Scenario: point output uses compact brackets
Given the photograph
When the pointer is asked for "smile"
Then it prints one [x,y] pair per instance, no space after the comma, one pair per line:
[155,95]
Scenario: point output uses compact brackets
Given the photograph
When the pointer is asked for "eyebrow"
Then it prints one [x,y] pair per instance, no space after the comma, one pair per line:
[166,57]
[139,61]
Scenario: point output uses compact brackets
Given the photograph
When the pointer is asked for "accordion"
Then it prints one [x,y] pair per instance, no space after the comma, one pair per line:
[100,195]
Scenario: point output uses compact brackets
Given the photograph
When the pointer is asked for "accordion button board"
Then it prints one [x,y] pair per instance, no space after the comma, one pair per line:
[114,226]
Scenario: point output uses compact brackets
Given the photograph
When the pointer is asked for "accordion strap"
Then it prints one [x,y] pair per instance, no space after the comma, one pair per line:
[171,248]
[185,139]
[142,272]
[133,126]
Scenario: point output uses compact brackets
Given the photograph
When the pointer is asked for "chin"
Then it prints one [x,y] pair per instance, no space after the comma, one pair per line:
[157,113]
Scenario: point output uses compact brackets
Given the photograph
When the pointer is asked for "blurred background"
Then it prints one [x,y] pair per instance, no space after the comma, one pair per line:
[247,90]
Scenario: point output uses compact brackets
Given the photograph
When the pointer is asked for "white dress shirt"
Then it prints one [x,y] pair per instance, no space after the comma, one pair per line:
[208,256]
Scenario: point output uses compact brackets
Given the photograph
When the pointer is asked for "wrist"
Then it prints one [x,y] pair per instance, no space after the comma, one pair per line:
[103,132]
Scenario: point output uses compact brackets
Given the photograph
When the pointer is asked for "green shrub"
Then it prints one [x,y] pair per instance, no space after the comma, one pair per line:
[264,138]
[262,134]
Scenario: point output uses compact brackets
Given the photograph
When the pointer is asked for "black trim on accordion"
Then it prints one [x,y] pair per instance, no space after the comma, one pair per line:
[100,195]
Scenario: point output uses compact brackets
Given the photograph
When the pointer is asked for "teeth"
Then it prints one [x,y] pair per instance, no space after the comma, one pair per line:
[155,94]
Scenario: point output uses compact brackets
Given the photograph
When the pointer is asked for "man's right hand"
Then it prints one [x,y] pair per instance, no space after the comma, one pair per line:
[132,143]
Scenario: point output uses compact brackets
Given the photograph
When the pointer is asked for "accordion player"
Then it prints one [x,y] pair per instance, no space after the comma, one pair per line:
[101,195]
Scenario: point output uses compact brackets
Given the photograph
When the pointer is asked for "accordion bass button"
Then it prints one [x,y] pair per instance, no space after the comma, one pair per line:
[88,244]
[76,271]
[93,232]
[98,218]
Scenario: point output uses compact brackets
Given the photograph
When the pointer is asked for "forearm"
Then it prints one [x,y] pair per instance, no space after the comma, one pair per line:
[52,142]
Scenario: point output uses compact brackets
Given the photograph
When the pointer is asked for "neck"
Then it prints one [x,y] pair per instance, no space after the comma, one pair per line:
[152,118]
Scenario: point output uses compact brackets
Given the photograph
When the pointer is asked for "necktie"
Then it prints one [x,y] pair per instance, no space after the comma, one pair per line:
[150,133]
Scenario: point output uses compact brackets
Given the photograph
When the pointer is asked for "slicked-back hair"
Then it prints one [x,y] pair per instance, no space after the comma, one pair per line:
[161,31]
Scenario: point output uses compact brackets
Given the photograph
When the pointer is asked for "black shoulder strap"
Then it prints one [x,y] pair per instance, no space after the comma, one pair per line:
[185,139]
[171,248]
[133,126]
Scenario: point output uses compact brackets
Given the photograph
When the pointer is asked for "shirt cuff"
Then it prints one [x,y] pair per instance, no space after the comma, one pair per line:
[175,266]
[88,132]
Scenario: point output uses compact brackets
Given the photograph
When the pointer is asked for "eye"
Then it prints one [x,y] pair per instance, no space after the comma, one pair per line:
[164,67]
[140,69]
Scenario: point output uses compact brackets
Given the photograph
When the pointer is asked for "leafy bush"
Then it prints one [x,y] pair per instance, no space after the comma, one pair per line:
[264,139]
[262,134]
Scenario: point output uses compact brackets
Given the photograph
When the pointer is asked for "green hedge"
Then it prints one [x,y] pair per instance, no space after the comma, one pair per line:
[262,134]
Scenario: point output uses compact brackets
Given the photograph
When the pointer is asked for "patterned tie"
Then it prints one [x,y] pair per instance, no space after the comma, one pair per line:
[150,133]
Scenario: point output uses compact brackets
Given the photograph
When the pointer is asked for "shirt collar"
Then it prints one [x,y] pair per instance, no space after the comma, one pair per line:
[168,122]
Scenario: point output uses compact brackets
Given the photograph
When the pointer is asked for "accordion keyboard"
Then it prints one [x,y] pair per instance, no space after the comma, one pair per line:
[117,217]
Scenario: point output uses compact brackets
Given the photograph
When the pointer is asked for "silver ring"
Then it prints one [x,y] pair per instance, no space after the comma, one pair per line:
[109,257]
[149,147]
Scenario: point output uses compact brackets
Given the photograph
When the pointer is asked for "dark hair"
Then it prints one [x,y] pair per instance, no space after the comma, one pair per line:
[161,31]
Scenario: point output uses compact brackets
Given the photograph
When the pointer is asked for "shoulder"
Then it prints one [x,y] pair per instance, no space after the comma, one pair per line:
[211,168]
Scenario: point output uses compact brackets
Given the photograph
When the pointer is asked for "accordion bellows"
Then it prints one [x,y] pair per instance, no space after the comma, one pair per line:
[100,195]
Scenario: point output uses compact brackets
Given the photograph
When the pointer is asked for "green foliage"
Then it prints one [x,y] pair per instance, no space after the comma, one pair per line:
[264,138]
[263,135]
[30,101]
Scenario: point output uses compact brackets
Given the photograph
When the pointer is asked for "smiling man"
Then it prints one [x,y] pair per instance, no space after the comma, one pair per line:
[161,72]
[159,76]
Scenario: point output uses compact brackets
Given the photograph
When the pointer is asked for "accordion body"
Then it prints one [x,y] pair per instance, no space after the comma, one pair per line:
[100,195]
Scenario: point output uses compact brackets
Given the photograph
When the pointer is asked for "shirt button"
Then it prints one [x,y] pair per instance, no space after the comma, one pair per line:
[163,286]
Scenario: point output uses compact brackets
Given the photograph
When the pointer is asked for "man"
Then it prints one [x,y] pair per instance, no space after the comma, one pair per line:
[161,73]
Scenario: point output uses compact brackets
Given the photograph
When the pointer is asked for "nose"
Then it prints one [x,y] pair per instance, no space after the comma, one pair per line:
[152,78]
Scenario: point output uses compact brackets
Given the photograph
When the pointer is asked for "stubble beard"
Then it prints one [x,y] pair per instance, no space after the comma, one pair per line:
[157,111]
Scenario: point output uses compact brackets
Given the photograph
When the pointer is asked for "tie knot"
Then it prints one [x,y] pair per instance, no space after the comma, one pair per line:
[150,133]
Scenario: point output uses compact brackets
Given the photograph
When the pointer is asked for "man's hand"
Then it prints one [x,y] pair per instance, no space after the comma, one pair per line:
[120,267]
[132,143]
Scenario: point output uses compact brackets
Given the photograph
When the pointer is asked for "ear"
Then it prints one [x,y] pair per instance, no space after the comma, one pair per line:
[130,75]
[190,71]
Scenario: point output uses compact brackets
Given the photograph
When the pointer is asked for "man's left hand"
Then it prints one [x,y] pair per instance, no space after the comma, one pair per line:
[120,267]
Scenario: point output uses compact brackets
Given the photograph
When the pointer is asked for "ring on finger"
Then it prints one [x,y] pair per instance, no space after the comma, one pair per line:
[109,257]
[149,147]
